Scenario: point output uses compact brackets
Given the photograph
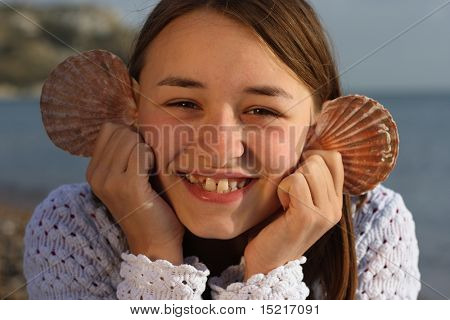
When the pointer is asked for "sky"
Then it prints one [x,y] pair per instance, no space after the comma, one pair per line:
[377,46]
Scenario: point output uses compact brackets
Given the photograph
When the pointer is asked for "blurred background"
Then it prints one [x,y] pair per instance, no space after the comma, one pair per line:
[395,52]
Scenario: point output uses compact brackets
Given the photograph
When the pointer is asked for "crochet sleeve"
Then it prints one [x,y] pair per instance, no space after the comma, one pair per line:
[284,282]
[74,251]
[389,253]
[65,254]
[150,280]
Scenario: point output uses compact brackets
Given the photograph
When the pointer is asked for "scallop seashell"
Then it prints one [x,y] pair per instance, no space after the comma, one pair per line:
[82,93]
[365,134]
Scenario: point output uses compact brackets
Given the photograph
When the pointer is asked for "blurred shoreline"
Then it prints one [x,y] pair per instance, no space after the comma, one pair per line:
[12,229]
[22,199]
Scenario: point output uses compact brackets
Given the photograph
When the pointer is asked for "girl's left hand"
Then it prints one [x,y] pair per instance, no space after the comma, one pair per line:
[312,202]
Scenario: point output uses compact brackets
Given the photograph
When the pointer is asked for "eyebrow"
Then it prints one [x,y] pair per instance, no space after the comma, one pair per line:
[265,90]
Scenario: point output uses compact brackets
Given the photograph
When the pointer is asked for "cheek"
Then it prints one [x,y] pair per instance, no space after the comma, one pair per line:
[165,134]
[277,150]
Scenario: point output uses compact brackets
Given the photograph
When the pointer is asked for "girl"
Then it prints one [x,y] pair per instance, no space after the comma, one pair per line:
[248,210]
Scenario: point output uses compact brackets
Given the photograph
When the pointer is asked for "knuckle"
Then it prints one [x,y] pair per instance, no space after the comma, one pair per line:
[298,179]
[317,161]
[113,125]
[333,156]
[284,183]
[128,131]
[309,167]
[315,158]
[118,132]
[104,127]
[144,146]
[130,136]
[336,155]
[107,126]
[337,158]
[116,129]
[302,167]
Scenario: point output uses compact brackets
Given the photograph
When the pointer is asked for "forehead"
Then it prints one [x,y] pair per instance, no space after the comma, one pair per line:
[209,45]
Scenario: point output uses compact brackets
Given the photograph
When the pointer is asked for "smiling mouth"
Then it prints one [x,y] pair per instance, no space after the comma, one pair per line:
[222,185]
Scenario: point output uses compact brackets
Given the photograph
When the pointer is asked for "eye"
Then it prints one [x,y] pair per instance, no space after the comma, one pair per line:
[183,104]
[264,112]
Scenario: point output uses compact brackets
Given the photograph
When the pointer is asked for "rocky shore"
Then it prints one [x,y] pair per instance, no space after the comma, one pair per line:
[30,48]
[12,228]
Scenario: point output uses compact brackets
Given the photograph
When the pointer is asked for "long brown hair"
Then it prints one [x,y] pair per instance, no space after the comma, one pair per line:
[294,34]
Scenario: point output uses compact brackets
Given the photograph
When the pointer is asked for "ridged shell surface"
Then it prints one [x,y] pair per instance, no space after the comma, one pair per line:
[81,94]
[365,134]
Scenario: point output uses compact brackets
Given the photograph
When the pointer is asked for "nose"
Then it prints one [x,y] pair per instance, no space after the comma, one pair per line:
[220,140]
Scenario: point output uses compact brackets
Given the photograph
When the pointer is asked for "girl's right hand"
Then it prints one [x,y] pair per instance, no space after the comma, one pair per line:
[118,174]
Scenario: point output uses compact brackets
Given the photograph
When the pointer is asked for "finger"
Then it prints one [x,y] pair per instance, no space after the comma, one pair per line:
[314,177]
[329,181]
[293,192]
[141,160]
[123,149]
[333,160]
[325,176]
[114,147]
[106,130]
[98,163]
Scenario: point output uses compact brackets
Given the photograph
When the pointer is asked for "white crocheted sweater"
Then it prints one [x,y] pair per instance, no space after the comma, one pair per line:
[73,250]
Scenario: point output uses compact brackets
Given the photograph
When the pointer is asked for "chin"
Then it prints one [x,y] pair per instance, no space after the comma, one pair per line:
[215,231]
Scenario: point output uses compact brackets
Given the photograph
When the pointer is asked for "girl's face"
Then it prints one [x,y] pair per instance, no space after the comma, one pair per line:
[206,109]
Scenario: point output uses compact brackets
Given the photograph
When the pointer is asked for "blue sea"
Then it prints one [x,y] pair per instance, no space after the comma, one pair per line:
[31,166]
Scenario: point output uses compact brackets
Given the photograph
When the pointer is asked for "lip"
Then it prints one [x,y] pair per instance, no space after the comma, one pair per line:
[216,197]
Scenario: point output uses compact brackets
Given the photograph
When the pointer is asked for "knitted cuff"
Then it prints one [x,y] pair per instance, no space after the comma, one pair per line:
[284,282]
[161,280]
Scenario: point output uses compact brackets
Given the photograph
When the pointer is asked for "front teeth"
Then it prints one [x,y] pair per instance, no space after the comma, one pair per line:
[210,185]
[223,186]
